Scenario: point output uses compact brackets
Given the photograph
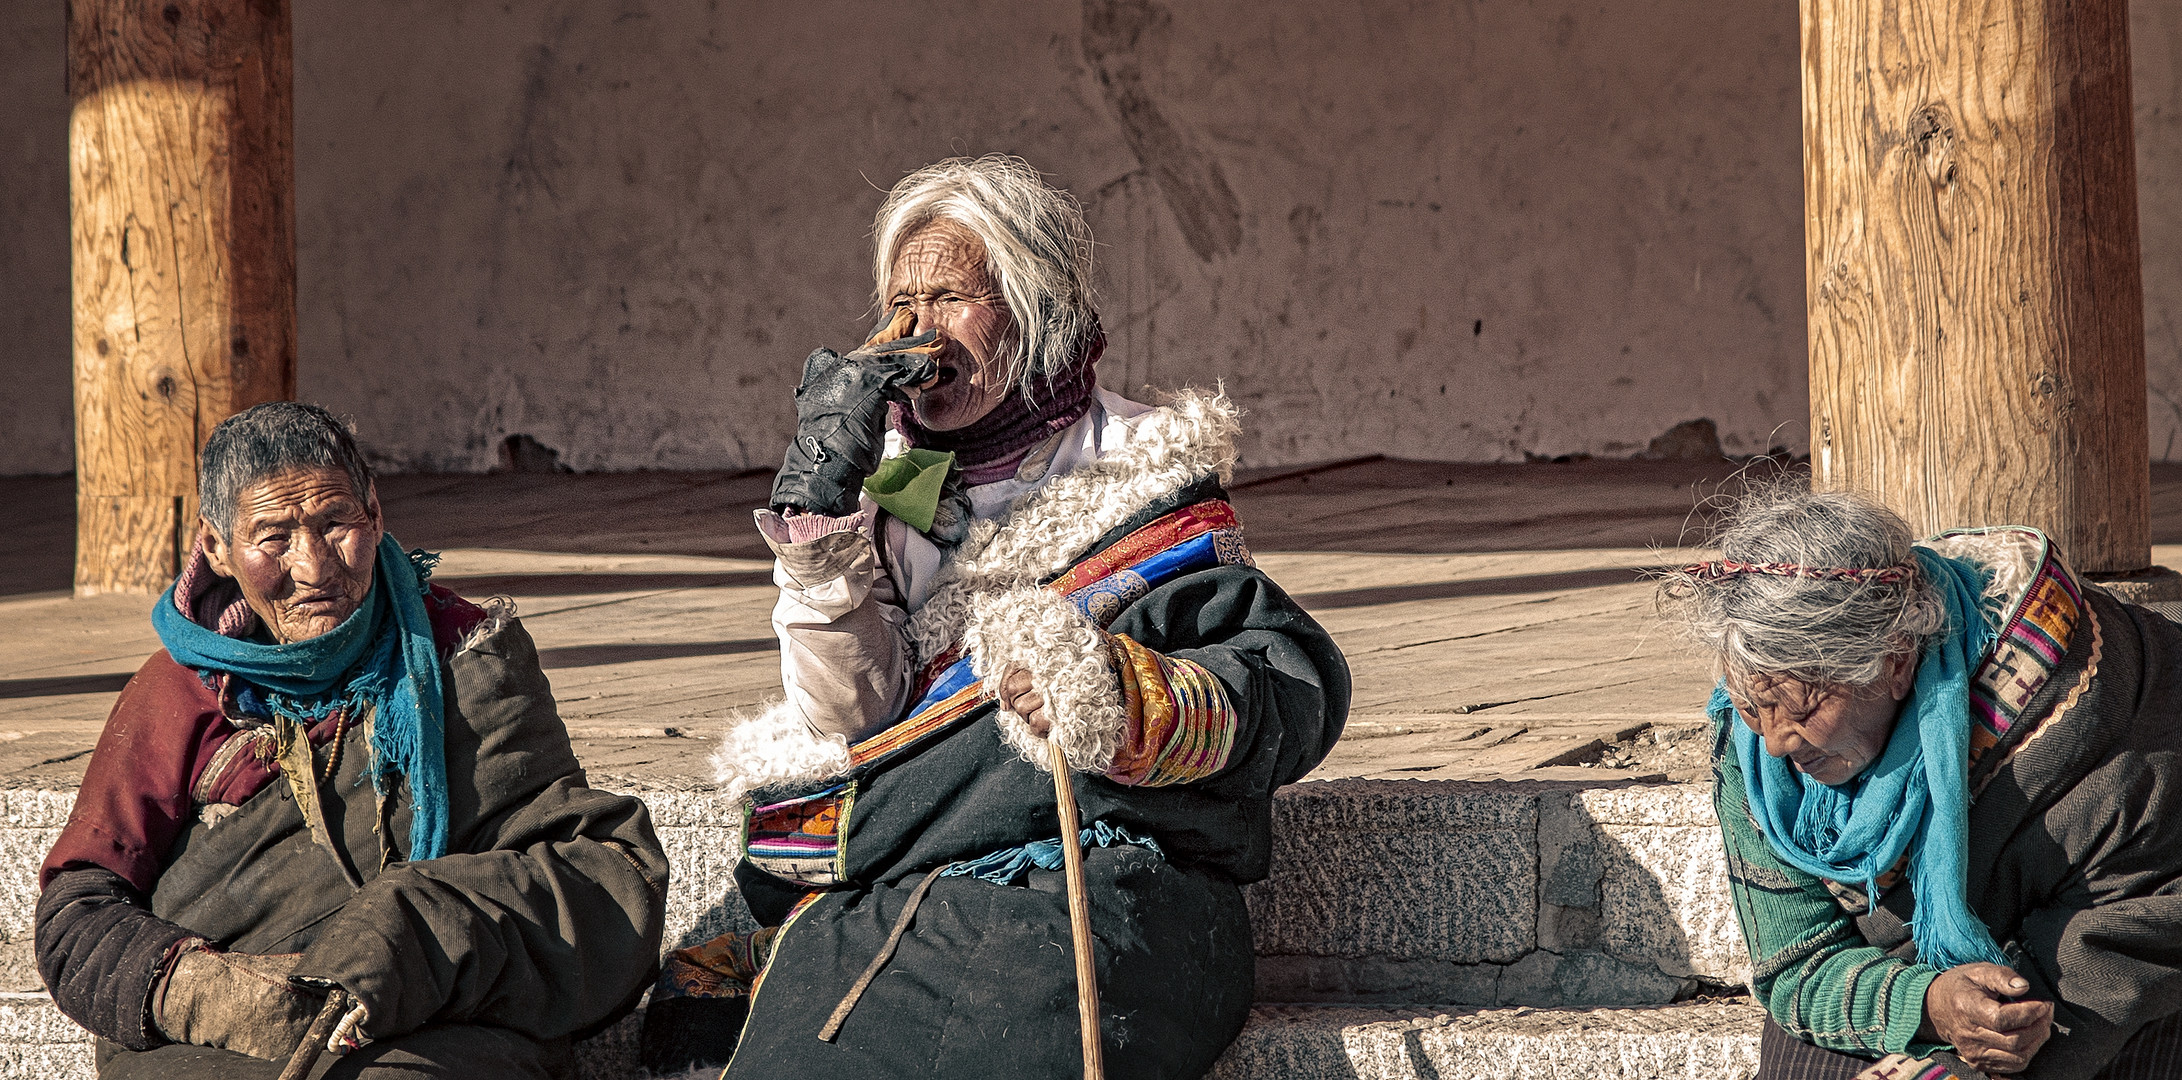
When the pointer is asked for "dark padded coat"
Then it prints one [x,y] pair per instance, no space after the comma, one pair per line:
[545,921]
[983,983]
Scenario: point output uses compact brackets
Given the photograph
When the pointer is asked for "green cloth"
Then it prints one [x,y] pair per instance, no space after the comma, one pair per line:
[1810,967]
[908,486]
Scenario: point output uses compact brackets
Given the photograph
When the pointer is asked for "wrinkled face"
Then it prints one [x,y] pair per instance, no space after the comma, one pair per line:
[303,551]
[940,273]
[1830,733]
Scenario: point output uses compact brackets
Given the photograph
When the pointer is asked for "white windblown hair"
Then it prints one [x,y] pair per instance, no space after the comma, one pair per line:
[1037,246]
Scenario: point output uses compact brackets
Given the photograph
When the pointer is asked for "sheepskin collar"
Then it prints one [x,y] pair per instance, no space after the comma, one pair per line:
[992,590]
[1052,527]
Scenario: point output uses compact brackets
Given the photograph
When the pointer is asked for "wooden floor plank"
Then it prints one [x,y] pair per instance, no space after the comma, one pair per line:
[1492,615]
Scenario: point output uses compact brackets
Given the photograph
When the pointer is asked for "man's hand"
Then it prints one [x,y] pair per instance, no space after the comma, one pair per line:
[235,1001]
[841,416]
[1019,696]
[1974,1008]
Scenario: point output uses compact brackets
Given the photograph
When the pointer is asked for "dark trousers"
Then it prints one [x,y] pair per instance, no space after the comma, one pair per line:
[453,1051]
[2155,1053]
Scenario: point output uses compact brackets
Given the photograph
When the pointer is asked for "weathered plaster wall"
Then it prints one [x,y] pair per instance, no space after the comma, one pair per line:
[1446,230]
[36,432]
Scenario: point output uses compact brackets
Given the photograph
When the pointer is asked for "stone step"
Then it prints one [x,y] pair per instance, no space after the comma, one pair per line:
[1388,891]
[1693,1041]
[1544,894]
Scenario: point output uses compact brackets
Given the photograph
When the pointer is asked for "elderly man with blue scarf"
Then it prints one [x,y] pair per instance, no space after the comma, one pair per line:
[1948,783]
[338,781]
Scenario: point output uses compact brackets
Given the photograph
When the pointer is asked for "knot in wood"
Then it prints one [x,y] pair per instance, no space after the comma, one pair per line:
[1932,132]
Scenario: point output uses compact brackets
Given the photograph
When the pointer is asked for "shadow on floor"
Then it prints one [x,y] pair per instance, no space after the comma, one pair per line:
[1382,505]
[67,684]
[587,584]
[1441,590]
[575,656]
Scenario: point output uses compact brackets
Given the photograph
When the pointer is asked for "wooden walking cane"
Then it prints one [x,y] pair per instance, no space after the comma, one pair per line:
[1079,916]
[314,1040]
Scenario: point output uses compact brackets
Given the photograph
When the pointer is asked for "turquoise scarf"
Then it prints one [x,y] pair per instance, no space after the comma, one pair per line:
[383,656]
[1915,799]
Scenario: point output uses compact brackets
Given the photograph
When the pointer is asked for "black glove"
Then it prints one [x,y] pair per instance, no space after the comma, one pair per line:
[841,417]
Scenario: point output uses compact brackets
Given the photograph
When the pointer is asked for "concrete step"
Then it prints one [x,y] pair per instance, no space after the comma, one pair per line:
[1696,1041]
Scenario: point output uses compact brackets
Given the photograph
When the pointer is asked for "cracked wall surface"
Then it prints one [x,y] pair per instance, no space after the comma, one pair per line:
[1456,231]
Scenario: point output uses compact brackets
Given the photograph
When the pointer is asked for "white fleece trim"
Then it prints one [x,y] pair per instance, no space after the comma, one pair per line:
[499,612]
[1067,658]
[776,746]
[1046,532]
[1051,527]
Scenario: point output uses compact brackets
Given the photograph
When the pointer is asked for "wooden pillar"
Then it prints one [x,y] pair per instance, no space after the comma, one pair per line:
[181,181]
[1975,287]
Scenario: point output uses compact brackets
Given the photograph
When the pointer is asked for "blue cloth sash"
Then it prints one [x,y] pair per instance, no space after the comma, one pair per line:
[1914,800]
[383,655]
[1007,866]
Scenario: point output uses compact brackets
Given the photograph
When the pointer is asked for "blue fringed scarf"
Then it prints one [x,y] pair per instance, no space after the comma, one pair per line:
[1914,799]
[383,656]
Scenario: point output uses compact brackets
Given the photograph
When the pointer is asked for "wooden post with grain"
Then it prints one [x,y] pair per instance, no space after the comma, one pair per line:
[1975,286]
[182,221]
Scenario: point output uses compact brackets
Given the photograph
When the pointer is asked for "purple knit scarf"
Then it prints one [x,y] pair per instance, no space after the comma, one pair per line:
[990,447]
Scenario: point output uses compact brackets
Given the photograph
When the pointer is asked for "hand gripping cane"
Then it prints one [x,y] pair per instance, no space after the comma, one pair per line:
[1079,915]
[314,1040]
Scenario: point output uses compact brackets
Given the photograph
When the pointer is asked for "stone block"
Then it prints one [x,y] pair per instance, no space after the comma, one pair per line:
[702,902]
[35,807]
[1697,1041]
[1402,870]
[60,1061]
[1637,873]
[1588,979]
[1376,979]
[21,850]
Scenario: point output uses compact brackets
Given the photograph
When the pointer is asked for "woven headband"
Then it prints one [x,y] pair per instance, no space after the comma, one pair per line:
[1727,568]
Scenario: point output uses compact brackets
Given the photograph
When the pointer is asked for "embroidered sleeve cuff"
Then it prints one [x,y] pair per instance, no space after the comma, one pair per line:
[1181,725]
[813,548]
[780,530]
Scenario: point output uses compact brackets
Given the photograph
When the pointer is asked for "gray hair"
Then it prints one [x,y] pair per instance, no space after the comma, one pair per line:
[267,440]
[1037,246]
[1812,629]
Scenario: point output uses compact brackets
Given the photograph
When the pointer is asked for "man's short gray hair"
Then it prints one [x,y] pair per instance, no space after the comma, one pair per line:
[267,440]
[1812,629]
[1037,247]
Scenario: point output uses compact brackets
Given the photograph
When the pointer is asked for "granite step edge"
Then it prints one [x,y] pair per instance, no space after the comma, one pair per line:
[1703,1040]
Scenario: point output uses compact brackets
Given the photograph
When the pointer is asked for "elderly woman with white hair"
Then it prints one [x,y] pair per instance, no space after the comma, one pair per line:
[1948,785]
[980,551]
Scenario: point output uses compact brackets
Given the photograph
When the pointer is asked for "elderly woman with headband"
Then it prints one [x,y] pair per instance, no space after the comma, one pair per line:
[1948,785]
[980,552]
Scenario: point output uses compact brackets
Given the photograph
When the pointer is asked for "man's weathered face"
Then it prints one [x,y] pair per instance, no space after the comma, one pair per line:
[303,551]
[1829,732]
[940,272]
